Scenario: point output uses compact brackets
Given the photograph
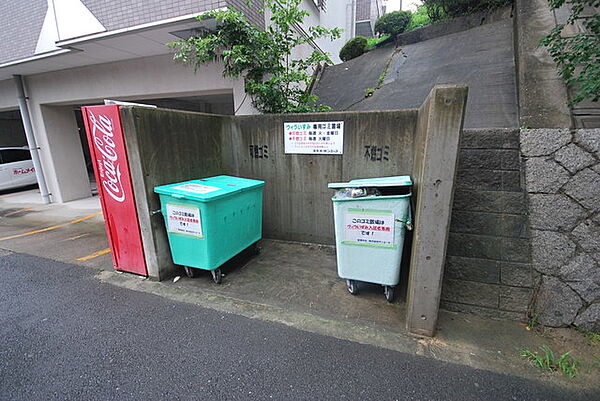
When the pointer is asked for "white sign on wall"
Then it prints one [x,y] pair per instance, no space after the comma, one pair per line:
[369,228]
[314,137]
[184,220]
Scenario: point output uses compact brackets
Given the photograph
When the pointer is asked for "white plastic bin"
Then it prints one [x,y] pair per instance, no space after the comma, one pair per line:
[371,216]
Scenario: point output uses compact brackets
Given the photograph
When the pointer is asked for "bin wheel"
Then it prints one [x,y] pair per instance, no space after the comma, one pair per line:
[217,276]
[256,249]
[390,293]
[189,271]
[352,287]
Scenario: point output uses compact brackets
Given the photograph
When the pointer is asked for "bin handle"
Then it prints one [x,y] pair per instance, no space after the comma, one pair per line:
[408,223]
[176,196]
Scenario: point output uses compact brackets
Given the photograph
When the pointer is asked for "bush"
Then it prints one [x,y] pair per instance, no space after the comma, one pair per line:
[577,55]
[392,23]
[438,9]
[353,48]
[419,18]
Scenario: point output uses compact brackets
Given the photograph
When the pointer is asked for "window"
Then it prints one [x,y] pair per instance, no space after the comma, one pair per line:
[14,155]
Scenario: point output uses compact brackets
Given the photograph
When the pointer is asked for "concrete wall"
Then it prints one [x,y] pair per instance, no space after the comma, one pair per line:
[437,138]
[166,146]
[563,183]
[296,195]
[542,93]
[297,202]
[64,154]
[8,95]
[481,57]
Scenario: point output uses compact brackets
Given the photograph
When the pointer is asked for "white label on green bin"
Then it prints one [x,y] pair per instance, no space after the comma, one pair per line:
[196,188]
[184,220]
[367,227]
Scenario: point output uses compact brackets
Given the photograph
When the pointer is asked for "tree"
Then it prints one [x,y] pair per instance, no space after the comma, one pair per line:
[578,56]
[276,82]
[392,23]
[353,48]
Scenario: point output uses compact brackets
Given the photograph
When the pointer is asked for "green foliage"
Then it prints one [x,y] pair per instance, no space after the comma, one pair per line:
[547,360]
[593,338]
[439,9]
[373,42]
[578,56]
[392,23]
[419,18]
[369,92]
[353,48]
[275,81]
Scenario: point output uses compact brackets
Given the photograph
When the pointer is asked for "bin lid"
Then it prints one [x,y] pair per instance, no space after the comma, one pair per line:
[209,189]
[396,181]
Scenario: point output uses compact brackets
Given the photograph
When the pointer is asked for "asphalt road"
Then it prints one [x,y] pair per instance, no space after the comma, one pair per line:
[64,335]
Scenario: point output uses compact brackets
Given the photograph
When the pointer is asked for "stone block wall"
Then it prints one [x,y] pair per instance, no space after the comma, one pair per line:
[488,265]
[562,175]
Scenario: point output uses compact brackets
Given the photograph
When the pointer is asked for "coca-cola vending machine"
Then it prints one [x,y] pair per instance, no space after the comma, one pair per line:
[111,167]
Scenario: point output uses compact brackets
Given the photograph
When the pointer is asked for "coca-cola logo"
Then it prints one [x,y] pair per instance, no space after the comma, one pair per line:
[109,168]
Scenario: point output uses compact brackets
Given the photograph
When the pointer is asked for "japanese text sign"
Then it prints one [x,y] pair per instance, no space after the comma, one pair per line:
[184,220]
[314,137]
[369,228]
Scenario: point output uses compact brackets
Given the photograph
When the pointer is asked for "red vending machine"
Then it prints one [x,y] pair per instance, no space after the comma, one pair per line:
[111,167]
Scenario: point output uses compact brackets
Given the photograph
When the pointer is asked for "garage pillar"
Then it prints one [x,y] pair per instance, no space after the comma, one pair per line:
[65,165]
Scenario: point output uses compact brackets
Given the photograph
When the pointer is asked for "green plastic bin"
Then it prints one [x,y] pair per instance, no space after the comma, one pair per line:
[211,220]
[371,216]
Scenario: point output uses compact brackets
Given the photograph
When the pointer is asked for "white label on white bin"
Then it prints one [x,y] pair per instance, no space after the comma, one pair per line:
[184,220]
[369,228]
[196,188]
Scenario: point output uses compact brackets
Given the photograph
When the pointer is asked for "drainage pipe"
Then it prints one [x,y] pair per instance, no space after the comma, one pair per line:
[33,148]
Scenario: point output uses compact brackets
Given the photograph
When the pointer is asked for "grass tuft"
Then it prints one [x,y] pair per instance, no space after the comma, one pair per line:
[548,361]
[373,42]
[593,338]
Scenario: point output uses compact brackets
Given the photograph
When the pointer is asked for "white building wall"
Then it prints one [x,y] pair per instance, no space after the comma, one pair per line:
[144,78]
[8,95]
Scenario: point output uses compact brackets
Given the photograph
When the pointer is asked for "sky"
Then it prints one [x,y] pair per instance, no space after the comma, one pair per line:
[393,5]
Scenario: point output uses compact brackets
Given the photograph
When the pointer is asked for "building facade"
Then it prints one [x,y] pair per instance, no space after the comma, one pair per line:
[71,53]
[367,13]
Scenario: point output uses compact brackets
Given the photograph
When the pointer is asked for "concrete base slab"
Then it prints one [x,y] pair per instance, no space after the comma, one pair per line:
[297,285]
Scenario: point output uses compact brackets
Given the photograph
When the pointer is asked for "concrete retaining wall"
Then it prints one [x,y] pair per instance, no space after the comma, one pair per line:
[563,183]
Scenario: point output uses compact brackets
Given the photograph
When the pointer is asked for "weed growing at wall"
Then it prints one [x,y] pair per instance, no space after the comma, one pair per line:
[547,360]
[578,55]
[276,82]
